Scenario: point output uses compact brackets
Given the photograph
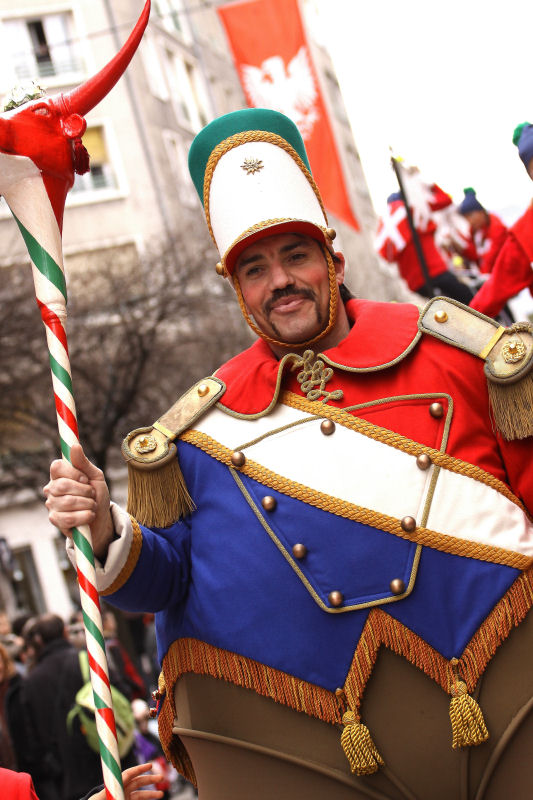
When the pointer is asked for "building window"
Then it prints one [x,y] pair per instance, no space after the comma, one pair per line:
[176,152]
[172,17]
[26,583]
[101,174]
[153,69]
[188,91]
[41,47]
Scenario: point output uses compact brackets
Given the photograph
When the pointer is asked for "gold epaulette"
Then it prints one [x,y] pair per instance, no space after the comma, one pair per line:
[507,353]
[157,494]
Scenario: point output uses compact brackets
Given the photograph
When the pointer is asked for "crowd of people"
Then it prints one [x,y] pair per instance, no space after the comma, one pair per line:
[463,250]
[45,726]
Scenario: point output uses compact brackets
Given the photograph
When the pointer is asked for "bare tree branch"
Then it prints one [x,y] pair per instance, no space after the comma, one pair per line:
[140,331]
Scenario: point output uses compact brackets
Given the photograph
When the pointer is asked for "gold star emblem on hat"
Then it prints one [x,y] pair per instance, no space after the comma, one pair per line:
[252,165]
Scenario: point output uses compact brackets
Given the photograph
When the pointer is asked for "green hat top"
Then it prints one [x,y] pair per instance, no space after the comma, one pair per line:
[247,119]
[517,133]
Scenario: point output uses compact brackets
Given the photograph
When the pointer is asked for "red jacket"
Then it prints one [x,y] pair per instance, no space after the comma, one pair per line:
[512,271]
[394,241]
[16,785]
[371,363]
[486,243]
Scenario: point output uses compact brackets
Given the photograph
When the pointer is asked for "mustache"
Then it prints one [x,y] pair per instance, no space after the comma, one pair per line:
[287,291]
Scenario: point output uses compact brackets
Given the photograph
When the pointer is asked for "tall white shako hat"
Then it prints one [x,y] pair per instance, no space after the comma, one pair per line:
[253,177]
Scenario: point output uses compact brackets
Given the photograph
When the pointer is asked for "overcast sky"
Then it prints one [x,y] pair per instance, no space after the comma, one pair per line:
[443,83]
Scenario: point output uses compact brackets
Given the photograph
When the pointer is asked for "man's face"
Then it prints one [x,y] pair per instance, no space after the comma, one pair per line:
[285,286]
[477,219]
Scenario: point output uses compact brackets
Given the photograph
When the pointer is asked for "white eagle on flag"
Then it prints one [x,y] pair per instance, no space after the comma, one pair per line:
[290,89]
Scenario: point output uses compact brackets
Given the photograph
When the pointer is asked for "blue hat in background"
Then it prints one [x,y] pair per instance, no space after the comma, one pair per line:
[393,197]
[523,139]
[470,202]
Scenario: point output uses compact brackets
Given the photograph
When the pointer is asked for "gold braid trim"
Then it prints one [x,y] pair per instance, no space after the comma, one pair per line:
[200,658]
[243,138]
[332,308]
[131,561]
[399,442]
[381,629]
[342,508]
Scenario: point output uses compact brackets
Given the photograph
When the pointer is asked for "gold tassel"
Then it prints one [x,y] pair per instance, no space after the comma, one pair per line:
[468,725]
[157,493]
[512,406]
[358,746]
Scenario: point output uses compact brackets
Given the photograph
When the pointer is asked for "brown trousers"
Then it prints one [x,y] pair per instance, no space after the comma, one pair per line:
[247,747]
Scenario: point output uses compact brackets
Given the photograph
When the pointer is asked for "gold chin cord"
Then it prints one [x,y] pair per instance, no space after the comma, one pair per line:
[333,295]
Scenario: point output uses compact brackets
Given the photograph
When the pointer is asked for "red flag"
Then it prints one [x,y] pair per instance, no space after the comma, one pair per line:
[274,63]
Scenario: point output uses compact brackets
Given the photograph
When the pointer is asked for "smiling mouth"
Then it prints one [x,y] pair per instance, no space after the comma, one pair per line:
[287,301]
[288,304]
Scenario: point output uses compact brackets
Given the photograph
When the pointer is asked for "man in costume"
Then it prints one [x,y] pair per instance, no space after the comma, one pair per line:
[513,269]
[331,531]
[395,243]
[487,233]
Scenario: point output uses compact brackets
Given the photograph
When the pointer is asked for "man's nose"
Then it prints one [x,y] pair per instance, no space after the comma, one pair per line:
[279,275]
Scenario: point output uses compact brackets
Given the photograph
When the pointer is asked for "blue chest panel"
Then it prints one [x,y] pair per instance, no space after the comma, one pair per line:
[241,590]
[341,555]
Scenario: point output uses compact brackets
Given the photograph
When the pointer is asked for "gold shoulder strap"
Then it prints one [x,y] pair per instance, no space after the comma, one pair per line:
[507,353]
[157,494]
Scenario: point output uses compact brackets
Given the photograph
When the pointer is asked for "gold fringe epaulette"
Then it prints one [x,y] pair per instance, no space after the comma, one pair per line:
[157,494]
[507,353]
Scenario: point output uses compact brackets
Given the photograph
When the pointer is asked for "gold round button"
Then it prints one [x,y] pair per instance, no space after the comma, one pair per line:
[441,316]
[331,233]
[397,586]
[423,461]
[238,459]
[327,427]
[299,550]
[219,268]
[203,389]
[269,503]
[436,410]
[336,599]
[408,524]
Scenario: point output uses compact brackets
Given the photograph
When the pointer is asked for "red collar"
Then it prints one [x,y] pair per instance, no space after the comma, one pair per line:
[381,335]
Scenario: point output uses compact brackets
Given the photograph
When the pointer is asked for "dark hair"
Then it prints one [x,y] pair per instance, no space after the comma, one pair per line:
[344,292]
[45,627]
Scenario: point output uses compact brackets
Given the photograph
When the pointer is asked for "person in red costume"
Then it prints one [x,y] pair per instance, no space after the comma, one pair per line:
[512,270]
[19,785]
[487,233]
[395,244]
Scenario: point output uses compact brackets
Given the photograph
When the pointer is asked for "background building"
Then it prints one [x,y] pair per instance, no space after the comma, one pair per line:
[138,195]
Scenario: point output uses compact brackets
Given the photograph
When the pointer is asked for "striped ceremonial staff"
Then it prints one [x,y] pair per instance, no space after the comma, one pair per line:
[40,149]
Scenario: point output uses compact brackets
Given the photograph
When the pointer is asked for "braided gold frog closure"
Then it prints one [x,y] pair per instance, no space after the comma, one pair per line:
[315,374]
